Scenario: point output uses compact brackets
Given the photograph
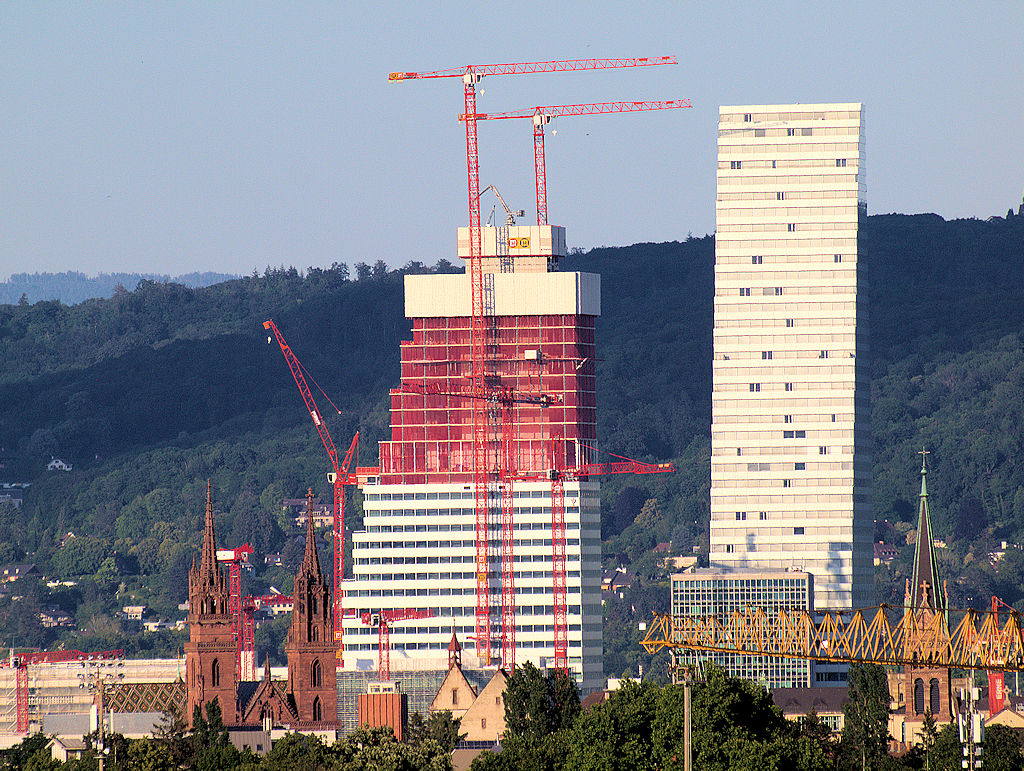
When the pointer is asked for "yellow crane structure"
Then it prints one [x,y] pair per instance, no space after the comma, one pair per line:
[883,634]
[923,632]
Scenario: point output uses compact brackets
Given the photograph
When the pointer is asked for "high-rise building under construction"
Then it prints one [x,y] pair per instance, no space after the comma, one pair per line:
[790,434]
[418,545]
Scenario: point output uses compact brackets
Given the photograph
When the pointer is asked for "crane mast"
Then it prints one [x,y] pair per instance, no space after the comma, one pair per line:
[245,662]
[341,476]
[383,621]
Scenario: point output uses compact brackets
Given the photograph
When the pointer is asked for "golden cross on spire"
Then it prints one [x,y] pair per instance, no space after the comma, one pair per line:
[924,457]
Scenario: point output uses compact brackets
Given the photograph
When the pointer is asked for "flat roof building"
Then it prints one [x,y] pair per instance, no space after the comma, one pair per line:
[790,434]
[713,592]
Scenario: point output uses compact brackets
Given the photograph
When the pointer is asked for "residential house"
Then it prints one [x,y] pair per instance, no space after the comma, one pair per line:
[64,748]
[15,571]
[617,581]
[323,514]
[885,553]
[827,703]
[134,612]
[55,617]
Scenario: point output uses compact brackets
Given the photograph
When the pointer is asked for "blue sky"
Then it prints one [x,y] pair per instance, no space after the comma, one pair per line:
[171,137]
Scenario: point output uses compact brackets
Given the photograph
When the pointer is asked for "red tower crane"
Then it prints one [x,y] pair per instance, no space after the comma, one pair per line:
[21,662]
[541,116]
[996,681]
[341,476]
[383,620]
[558,478]
[234,559]
[484,419]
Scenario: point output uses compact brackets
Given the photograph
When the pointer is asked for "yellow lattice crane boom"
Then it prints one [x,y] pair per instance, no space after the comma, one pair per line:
[884,634]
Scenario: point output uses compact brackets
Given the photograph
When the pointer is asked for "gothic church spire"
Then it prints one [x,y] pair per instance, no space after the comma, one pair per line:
[926,590]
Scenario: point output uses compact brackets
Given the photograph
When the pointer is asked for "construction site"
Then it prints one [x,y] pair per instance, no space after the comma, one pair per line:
[480,543]
[482,518]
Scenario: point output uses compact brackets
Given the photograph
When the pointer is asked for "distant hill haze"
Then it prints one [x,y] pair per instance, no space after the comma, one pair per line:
[72,287]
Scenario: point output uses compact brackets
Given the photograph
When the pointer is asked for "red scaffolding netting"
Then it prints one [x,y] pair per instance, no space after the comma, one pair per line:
[432,434]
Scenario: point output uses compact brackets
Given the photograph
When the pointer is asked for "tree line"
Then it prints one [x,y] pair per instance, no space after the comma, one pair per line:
[735,726]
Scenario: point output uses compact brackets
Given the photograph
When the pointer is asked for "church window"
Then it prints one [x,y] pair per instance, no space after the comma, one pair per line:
[215,673]
[312,605]
[316,634]
[315,676]
[483,722]
[455,697]
[919,696]
[933,695]
[317,710]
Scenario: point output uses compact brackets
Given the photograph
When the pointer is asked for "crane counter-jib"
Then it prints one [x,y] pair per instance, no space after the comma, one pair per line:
[526,68]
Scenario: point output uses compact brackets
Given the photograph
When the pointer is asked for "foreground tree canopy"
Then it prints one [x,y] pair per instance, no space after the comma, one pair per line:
[641,727]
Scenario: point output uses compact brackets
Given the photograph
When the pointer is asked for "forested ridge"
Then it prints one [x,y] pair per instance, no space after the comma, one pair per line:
[72,286]
[153,391]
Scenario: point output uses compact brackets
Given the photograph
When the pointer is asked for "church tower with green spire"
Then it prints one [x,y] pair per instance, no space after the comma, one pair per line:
[926,687]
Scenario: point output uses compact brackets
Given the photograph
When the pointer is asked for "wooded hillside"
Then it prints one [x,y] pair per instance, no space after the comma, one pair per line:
[151,392]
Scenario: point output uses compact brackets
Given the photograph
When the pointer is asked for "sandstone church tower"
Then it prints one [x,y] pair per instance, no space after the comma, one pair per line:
[211,669]
[312,682]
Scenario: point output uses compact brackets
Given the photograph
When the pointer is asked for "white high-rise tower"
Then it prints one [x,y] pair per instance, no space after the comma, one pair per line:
[791,434]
